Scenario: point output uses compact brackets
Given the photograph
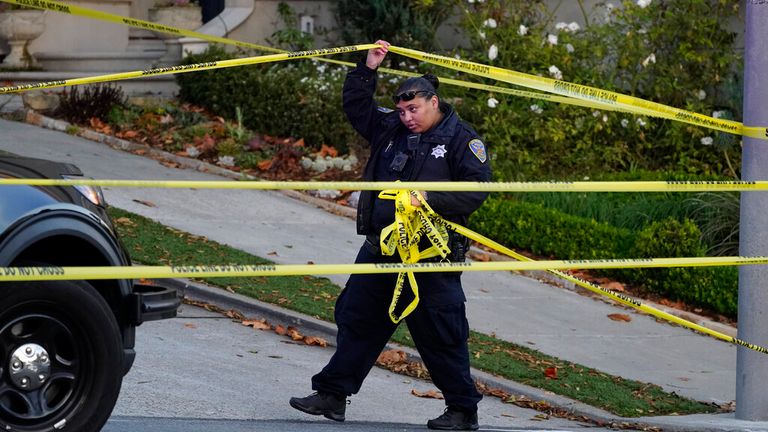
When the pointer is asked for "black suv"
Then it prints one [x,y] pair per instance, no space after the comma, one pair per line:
[64,345]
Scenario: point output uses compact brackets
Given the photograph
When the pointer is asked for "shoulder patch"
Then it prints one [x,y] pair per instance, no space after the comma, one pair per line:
[478,148]
[385,110]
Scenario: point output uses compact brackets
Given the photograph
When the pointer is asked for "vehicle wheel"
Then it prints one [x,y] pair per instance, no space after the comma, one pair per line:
[60,357]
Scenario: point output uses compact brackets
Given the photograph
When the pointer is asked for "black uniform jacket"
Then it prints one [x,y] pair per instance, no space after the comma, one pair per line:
[444,152]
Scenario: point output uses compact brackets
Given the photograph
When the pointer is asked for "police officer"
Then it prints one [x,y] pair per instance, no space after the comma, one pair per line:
[422,140]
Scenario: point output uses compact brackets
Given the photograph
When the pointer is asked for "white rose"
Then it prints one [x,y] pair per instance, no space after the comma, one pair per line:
[701,94]
[490,23]
[707,141]
[569,48]
[643,3]
[624,122]
[537,109]
[492,103]
[574,27]
[552,39]
[522,30]
[641,122]
[555,72]
[493,52]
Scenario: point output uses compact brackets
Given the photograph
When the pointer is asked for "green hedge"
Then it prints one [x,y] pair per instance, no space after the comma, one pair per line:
[548,232]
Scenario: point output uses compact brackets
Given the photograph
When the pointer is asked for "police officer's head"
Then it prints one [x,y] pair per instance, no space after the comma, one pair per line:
[418,104]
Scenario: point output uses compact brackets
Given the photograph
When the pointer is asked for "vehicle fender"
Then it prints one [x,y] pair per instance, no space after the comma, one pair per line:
[62,220]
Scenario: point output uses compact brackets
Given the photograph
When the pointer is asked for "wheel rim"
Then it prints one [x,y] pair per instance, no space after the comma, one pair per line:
[43,344]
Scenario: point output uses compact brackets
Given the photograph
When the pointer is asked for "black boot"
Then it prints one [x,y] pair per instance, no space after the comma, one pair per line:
[455,419]
[325,404]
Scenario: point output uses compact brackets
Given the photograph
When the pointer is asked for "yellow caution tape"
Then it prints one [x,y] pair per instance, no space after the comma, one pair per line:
[612,186]
[573,94]
[403,236]
[586,93]
[187,68]
[11,274]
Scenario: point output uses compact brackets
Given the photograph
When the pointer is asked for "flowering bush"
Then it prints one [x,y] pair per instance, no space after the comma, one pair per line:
[678,53]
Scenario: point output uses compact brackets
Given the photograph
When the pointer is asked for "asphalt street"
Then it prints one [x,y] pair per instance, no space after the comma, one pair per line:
[203,371]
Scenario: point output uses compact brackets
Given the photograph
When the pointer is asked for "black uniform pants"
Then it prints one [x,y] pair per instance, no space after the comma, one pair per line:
[440,333]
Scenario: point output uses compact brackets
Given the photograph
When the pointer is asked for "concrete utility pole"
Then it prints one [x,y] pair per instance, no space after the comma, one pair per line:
[752,366]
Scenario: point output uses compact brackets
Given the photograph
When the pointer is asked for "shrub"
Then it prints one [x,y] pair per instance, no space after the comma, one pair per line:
[301,99]
[404,23]
[679,53]
[94,101]
[716,288]
[548,232]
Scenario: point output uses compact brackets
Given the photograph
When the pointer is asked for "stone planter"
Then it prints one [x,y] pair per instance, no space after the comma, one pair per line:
[19,27]
[181,17]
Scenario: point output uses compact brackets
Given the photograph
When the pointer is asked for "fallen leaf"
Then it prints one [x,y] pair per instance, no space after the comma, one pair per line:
[146,203]
[127,134]
[235,315]
[551,372]
[265,164]
[316,341]
[480,256]
[280,330]
[432,394]
[190,326]
[169,164]
[620,317]
[327,151]
[124,221]
[257,324]
[294,334]
[614,286]
[390,357]
[272,253]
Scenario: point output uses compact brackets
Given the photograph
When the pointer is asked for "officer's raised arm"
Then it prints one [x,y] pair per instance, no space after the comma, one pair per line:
[359,87]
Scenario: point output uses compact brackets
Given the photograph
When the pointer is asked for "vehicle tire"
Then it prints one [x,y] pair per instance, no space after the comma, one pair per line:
[60,357]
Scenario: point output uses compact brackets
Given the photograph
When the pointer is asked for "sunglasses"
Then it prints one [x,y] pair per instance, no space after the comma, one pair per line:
[409,95]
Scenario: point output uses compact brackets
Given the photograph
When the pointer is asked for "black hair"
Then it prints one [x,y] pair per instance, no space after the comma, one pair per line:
[426,83]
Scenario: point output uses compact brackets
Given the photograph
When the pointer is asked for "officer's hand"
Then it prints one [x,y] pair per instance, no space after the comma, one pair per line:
[415,201]
[376,55]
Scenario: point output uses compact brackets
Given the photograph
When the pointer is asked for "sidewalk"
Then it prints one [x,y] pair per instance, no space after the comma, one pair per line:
[552,320]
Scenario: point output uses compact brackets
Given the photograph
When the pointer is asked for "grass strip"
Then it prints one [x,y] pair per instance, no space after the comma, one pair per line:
[151,243]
